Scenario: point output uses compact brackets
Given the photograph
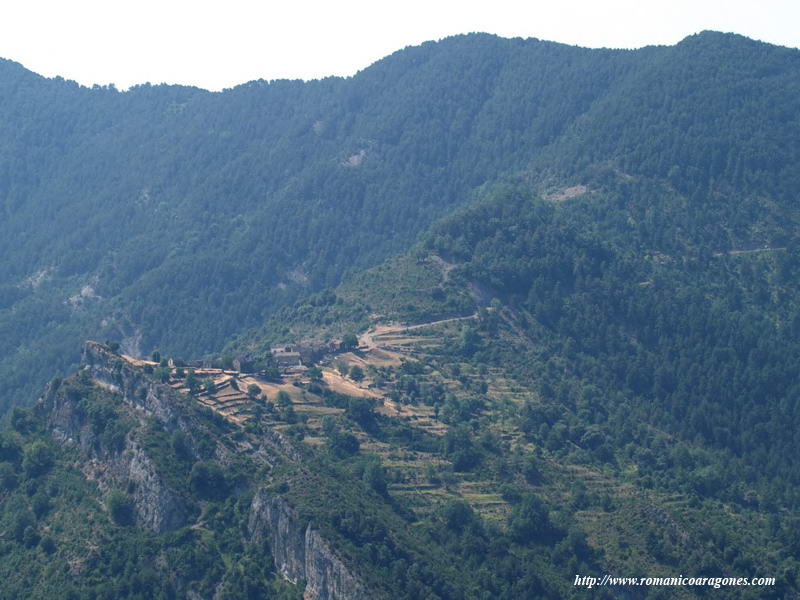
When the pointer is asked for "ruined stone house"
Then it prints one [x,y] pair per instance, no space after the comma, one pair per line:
[286,356]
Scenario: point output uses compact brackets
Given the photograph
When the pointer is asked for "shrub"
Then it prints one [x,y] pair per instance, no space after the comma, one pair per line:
[208,480]
[356,373]
[375,477]
[48,545]
[8,478]
[343,443]
[120,506]
[37,458]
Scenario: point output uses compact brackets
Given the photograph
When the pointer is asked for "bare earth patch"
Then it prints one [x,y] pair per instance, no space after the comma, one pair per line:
[337,383]
[567,193]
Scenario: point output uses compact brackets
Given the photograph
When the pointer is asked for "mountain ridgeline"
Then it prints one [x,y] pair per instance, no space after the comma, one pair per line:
[489,314]
[172,217]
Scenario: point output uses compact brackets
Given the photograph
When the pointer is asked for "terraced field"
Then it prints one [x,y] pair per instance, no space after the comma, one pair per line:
[425,480]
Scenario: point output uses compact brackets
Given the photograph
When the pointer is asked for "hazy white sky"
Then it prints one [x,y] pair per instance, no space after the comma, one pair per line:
[220,44]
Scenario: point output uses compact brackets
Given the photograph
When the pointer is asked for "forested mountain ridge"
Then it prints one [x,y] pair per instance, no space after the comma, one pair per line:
[563,339]
[655,385]
[715,112]
[481,439]
[137,215]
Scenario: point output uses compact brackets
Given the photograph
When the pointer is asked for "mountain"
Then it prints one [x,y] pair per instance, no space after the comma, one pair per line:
[119,484]
[146,212]
[489,438]
[174,218]
[545,296]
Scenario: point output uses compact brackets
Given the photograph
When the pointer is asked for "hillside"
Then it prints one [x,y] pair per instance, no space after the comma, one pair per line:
[138,215]
[143,491]
[425,447]
[649,394]
[488,315]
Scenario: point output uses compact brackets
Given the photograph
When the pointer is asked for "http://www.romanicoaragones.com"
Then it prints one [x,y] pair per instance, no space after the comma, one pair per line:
[590,582]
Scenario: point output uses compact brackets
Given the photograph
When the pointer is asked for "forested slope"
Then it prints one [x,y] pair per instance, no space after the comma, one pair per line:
[574,274]
[174,217]
[648,390]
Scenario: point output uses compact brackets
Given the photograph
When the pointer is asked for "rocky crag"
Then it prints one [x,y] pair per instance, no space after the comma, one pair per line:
[299,551]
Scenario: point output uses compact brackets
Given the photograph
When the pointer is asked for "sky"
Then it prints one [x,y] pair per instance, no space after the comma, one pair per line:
[219,44]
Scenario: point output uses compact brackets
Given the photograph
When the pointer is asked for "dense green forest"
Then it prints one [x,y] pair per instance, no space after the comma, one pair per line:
[172,217]
[696,343]
[557,288]
[669,368]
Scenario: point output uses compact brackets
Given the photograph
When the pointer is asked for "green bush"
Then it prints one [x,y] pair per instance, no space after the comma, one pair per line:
[208,480]
[37,458]
[8,478]
[356,373]
[120,507]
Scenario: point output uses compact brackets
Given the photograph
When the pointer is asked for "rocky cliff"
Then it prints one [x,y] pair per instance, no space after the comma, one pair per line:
[126,465]
[119,376]
[301,553]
